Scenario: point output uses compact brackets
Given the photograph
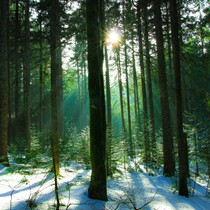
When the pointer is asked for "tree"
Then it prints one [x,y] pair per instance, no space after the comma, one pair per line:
[149,80]
[17,70]
[95,25]
[135,91]
[130,141]
[55,51]
[170,78]
[119,76]
[26,80]
[41,79]
[143,83]
[182,140]
[3,82]
[169,164]
[109,116]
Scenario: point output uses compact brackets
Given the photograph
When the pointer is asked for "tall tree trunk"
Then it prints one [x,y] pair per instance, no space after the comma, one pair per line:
[136,93]
[119,75]
[130,141]
[3,83]
[182,139]
[55,52]
[85,90]
[40,80]
[55,65]
[26,78]
[144,96]
[10,87]
[169,164]
[109,117]
[79,91]
[95,28]
[171,89]
[60,89]
[17,70]
[149,84]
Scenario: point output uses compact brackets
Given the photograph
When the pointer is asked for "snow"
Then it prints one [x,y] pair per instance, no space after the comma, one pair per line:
[20,189]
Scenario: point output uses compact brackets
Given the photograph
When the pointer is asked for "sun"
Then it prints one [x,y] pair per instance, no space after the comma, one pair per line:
[113,38]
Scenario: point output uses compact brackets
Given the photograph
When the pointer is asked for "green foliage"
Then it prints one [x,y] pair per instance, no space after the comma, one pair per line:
[75,146]
[118,154]
[15,154]
[38,155]
[24,180]
[198,143]
[9,170]
[37,149]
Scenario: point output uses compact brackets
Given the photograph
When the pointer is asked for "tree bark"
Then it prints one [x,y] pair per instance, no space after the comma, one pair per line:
[55,51]
[136,93]
[55,66]
[171,90]
[144,95]
[17,70]
[169,164]
[40,79]
[95,25]
[119,76]
[109,117]
[26,80]
[149,84]
[3,83]
[182,138]
[10,86]
[130,141]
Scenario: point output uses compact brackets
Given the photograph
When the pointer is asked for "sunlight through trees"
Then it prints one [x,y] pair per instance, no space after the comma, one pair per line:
[114,85]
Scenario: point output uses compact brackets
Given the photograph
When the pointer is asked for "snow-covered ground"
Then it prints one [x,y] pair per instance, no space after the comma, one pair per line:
[34,188]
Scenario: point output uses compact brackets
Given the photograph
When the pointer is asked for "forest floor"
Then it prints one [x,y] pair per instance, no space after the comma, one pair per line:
[32,188]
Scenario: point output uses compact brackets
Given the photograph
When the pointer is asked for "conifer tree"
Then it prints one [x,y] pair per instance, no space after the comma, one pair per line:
[95,29]
[3,82]
[182,140]
[169,164]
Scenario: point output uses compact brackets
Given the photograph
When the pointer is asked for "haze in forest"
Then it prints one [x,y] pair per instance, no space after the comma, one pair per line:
[116,86]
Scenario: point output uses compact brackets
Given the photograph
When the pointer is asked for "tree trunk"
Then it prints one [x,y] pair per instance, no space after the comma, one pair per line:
[95,26]
[55,51]
[169,164]
[136,93]
[109,117]
[149,85]
[26,78]
[10,87]
[79,91]
[55,65]
[130,141]
[40,80]
[171,89]
[119,75]
[17,70]
[60,103]
[144,96]
[182,139]
[3,83]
